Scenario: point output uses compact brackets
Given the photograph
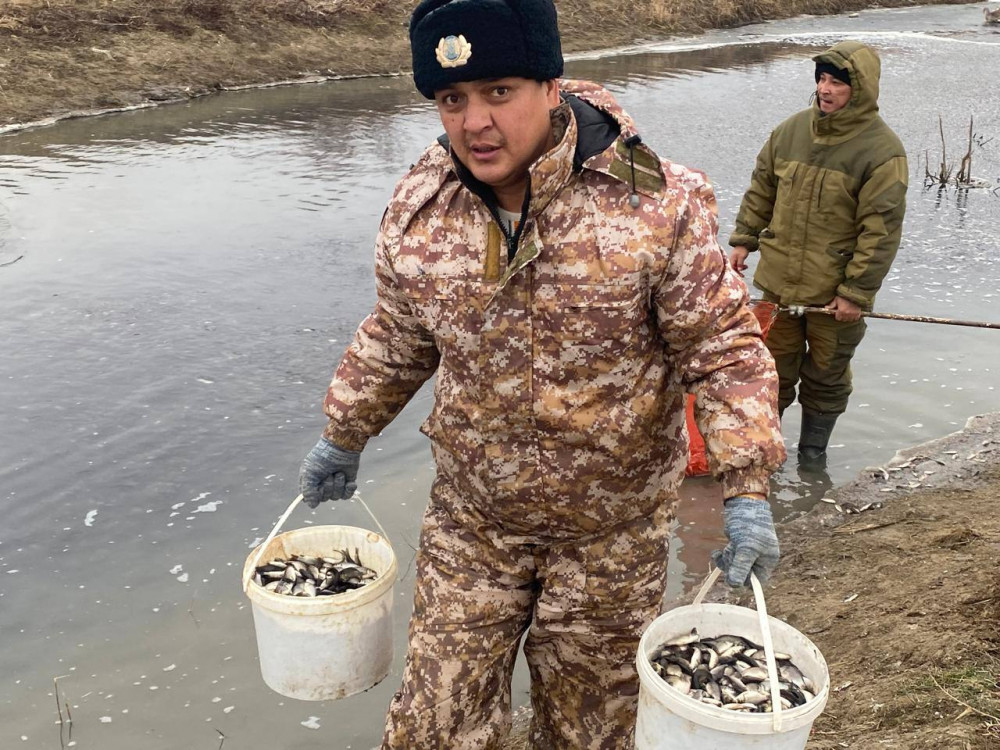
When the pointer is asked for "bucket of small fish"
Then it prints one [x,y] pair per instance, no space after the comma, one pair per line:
[710,676]
[322,608]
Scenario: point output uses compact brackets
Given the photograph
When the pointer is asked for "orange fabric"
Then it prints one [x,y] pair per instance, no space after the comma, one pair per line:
[697,460]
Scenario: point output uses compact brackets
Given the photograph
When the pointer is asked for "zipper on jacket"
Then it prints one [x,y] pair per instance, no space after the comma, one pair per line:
[512,239]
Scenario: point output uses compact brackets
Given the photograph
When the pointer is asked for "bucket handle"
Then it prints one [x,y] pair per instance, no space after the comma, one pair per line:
[765,634]
[281,521]
[267,541]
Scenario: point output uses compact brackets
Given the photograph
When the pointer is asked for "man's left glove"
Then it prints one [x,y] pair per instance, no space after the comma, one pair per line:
[328,472]
[753,543]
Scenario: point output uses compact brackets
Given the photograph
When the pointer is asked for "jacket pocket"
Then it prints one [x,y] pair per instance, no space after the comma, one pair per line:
[592,314]
[451,309]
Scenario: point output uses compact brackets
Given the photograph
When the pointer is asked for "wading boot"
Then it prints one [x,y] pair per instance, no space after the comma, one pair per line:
[815,435]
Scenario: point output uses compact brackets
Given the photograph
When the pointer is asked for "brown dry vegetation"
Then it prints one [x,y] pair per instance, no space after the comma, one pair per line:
[59,56]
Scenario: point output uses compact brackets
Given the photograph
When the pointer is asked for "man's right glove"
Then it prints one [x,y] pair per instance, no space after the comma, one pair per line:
[328,473]
[753,543]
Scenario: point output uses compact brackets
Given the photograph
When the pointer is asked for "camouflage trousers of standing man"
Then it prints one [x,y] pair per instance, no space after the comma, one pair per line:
[584,604]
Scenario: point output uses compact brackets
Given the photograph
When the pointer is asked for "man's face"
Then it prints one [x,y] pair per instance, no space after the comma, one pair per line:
[497,128]
[832,93]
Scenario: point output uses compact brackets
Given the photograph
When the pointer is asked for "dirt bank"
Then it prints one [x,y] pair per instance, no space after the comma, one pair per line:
[903,600]
[75,56]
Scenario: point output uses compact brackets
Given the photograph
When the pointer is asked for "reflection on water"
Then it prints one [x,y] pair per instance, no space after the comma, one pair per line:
[191,274]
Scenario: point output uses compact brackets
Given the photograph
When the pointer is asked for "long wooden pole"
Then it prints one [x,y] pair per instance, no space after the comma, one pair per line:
[800,310]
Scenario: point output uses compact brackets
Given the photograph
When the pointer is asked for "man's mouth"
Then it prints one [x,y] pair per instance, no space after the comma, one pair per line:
[483,148]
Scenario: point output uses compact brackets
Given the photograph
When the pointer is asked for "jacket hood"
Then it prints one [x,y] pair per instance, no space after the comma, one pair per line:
[599,117]
[864,67]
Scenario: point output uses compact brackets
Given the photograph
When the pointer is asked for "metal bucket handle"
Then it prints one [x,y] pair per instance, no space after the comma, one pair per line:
[765,633]
[281,521]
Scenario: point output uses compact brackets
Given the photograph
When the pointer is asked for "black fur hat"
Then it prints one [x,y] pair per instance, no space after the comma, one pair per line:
[840,74]
[467,40]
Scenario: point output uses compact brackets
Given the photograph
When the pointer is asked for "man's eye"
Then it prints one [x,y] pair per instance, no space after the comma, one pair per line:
[501,90]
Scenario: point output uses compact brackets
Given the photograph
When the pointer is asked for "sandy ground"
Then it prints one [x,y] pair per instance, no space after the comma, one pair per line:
[903,600]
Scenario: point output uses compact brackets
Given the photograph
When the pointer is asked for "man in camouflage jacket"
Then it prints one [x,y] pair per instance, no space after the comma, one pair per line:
[567,288]
[825,208]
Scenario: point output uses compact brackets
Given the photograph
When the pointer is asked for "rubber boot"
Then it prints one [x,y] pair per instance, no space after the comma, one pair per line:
[815,435]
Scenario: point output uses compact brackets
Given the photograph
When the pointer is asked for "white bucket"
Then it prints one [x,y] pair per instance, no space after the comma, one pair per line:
[669,720]
[326,647]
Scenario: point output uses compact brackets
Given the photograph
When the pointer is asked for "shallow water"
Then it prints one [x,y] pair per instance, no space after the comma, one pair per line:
[178,283]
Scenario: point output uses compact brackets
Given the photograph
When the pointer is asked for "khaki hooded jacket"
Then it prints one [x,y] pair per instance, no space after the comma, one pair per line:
[563,354]
[826,200]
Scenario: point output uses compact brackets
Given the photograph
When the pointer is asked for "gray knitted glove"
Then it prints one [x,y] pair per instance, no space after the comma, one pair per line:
[753,543]
[328,473]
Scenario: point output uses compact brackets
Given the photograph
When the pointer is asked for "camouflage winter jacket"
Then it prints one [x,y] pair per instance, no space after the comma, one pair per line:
[827,197]
[559,401]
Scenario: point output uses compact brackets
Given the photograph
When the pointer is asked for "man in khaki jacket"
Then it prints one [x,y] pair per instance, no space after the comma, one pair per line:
[566,287]
[825,209]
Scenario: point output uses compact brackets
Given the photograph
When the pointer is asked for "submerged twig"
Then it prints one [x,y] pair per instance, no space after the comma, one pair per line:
[55,681]
[965,168]
[11,262]
[946,174]
[67,721]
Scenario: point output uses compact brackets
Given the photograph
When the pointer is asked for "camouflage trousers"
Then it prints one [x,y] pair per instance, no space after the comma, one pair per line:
[584,605]
[814,352]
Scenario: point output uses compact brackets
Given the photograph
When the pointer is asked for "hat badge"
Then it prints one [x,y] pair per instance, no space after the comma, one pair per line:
[453,51]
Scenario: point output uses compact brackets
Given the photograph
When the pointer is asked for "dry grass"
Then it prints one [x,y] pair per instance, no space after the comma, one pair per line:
[69,20]
[64,55]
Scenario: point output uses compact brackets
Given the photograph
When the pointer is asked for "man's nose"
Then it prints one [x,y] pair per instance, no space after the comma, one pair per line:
[477,116]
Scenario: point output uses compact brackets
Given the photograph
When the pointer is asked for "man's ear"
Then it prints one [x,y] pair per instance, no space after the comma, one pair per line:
[552,92]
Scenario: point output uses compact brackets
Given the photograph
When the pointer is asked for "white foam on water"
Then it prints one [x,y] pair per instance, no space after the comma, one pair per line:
[311,723]
[89,520]
[208,507]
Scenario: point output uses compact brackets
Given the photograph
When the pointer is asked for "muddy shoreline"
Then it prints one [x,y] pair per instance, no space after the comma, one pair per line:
[74,58]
